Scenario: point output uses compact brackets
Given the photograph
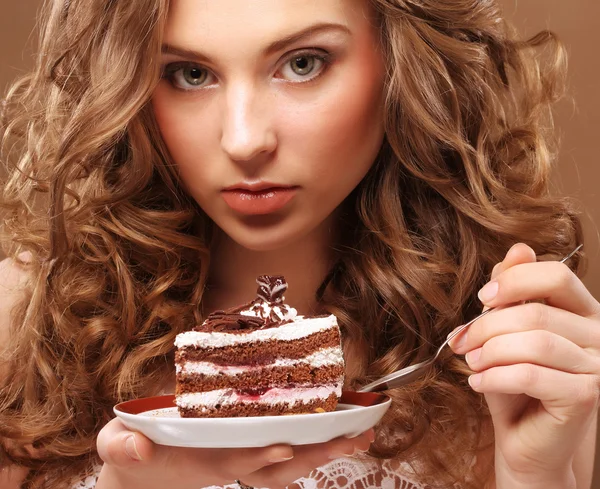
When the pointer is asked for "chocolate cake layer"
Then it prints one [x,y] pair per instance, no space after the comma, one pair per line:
[301,374]
[260,353]
[260,409]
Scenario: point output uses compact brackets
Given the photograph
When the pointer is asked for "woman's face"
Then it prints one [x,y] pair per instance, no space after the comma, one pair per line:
[271,109]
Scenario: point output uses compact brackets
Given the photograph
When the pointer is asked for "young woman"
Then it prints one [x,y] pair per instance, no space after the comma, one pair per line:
[383,155]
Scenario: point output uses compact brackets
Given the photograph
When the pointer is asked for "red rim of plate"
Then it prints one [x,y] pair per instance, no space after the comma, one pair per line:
[138,406]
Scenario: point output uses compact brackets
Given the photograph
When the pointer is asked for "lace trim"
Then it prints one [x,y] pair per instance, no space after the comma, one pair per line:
[89,482]
[344,473]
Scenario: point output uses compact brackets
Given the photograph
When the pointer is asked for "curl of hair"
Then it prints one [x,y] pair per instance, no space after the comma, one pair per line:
[118,262]
[121,253]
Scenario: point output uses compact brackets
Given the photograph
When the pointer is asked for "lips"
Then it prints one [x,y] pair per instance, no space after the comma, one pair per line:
[259,198]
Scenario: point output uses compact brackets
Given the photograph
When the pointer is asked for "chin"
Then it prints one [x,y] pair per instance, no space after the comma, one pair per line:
[262,240]
[262,245]
[267,233]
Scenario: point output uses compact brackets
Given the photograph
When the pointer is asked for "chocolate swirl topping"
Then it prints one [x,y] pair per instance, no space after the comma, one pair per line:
[271,288]
[220,321]
[270,291]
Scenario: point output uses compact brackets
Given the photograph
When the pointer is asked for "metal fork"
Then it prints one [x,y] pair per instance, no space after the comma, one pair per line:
[413,372]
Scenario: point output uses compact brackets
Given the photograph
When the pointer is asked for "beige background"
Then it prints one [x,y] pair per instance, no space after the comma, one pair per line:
[578,120]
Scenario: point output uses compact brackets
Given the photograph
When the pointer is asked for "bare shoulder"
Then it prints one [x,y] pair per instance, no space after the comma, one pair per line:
[14,277]
[13,273]
[12,477]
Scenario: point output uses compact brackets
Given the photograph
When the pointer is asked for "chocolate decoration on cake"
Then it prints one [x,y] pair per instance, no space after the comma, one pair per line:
[220,321]
[268,308]
[271,288]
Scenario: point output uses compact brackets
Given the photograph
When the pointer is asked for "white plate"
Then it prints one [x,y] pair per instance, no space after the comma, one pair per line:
[158,419]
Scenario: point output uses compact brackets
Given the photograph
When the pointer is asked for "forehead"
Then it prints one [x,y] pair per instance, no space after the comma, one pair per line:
[211,22]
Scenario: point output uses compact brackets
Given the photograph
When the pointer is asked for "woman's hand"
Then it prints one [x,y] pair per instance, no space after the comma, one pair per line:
[539,368]
[132,461]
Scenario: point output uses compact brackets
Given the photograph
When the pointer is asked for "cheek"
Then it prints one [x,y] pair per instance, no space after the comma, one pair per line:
[187,131]
[342,131]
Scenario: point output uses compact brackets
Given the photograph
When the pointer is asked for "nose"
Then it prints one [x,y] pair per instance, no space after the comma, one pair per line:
[247,128]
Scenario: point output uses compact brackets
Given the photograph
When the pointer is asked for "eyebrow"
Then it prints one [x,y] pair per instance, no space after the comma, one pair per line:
[271,48]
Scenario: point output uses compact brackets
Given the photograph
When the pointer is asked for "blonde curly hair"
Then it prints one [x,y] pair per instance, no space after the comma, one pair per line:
[121,252]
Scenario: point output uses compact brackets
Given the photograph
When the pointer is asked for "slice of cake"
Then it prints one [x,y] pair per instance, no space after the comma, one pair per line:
[259,359]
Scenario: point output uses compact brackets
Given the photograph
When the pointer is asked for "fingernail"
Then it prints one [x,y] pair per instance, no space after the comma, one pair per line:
[278,460]
[458,342]
[473,356]
[131,448]
[452,332]
[335,456]
[475,380]
[371,436]
[25,256]
[487,293]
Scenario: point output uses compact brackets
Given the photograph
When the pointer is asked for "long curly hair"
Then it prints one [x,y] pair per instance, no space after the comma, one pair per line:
[121,253]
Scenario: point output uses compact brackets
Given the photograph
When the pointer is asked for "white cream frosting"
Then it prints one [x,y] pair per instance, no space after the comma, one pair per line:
[273,396]
[320,358]
[263,309]
[300,327]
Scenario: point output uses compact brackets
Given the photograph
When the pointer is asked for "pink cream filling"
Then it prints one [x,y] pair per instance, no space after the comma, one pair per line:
[276,395]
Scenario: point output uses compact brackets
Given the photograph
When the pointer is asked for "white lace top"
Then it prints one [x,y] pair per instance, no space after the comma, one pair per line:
[344,473]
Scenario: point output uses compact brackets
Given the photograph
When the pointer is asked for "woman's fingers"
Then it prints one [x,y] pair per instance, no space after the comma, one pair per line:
[306,459]
[528,317]
[564,395]
[536,347]
[519,253]
[554,427]
[238,463]
[122,448]
[552,281]
[537,363]
[273,467]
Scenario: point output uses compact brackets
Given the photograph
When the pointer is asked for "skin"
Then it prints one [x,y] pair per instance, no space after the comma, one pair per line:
[539,365]
[255,119]
[12,285]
